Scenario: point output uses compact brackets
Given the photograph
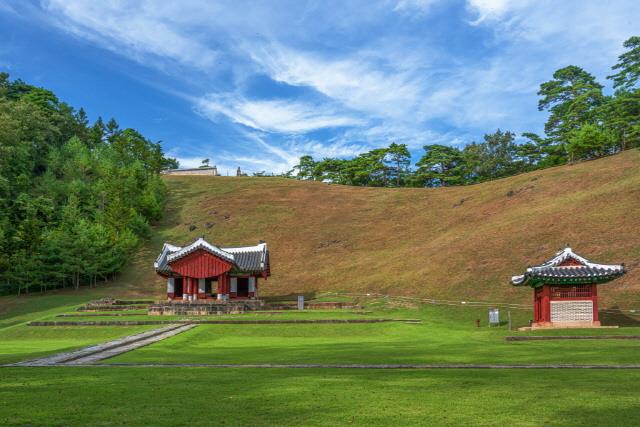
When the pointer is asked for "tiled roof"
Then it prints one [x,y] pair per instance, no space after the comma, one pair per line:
[245,259]
[553,270]
[251,258]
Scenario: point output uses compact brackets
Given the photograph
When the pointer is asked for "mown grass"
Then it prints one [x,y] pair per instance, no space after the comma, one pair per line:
[446,335]
[21,342]
[29,342]
[78,396]
[201,396]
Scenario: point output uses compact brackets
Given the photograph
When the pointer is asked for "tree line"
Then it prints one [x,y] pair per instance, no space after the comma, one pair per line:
[583,124]
[75,197]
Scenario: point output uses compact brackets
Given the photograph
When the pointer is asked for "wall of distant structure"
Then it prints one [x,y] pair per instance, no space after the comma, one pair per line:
[212,171]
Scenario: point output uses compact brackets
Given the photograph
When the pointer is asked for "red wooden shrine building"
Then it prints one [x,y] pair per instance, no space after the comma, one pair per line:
[201,271]
[565,289]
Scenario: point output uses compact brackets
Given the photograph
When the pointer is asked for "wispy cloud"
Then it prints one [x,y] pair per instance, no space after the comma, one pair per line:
[376,85]
[361,75]
[285,116]
[138,30]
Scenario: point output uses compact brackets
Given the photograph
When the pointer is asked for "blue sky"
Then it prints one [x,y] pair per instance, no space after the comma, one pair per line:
[258,84]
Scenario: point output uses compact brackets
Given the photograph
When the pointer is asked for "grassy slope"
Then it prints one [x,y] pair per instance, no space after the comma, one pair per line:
[459,243]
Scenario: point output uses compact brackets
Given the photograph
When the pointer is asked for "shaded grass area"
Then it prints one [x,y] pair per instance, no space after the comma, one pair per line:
[21,342]
[150,396]
[27,342]
[447,335]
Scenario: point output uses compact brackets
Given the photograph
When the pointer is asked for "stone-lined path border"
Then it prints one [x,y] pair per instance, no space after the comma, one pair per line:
[339,366]
[573,337]
[211,322]
[95,353]
[102,315]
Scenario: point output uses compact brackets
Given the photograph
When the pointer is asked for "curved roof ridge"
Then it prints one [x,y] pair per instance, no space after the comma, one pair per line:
[200,243]
[245,258]
[552,269]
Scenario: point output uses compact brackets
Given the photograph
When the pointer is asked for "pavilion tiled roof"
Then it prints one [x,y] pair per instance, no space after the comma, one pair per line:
[250,259]
[554,271]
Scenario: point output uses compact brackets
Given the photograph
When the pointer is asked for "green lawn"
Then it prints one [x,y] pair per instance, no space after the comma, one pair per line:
[201,396]
[78,396]
[446,335]
[29,342]
[21,342]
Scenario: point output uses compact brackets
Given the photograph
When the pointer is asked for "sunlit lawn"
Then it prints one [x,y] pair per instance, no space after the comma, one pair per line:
[202,396]
[446,335]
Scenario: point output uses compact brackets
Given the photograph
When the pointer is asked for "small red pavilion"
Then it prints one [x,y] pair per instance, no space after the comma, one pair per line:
[202,271]
[565,289]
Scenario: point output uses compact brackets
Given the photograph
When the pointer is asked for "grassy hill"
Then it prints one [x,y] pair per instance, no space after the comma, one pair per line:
[459,243]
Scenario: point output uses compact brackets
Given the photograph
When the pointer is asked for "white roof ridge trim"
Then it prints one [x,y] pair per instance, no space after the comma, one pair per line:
[200,243]
[568,253]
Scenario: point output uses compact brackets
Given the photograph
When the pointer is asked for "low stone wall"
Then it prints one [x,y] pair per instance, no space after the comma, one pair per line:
[199,308]
[214,322]
[96,307]
[110,304]
[314,306]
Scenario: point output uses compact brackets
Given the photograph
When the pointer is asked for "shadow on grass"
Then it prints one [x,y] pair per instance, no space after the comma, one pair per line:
[292,297]
[614,316]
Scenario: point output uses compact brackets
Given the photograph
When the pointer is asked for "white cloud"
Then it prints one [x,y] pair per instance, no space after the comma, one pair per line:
[271,156]
[137,29]
[274,115]
[379,86]
[487,10]
[190,162]
[373,75]
[535,38]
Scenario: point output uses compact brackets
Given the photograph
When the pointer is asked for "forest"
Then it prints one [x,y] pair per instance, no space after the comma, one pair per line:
[75,197]
[583,123]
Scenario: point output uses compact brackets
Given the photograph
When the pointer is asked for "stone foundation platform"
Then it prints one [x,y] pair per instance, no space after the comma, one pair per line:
[203,308]
[568,325]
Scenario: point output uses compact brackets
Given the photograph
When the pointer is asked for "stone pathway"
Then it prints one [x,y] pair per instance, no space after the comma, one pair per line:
[345,366]
[571,337]
[95,353]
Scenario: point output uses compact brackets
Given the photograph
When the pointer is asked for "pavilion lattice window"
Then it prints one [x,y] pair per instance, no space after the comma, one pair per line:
[578,291]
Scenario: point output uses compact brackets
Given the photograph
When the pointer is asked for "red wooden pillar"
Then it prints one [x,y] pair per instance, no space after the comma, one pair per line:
[189,288]
[536,310]
[186,283]
[223,286]
[546,303]
[594,299]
